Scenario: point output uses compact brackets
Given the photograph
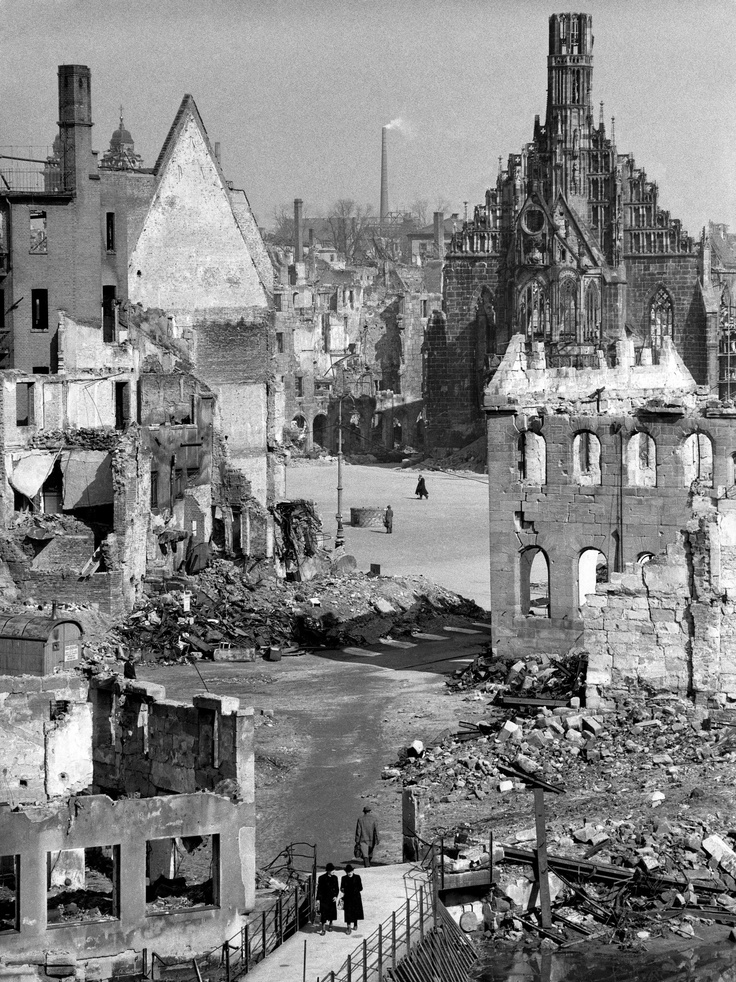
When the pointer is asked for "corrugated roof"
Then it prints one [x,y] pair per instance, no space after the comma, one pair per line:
[32,626]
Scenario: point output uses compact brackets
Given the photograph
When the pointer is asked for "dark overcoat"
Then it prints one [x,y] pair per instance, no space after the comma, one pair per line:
[327,891]
[351,888]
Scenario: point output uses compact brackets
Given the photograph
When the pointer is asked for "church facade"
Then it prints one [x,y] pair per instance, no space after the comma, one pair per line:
[571,248]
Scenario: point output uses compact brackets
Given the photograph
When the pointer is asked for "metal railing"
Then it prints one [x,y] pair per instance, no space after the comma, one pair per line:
[265,931]
[445,954]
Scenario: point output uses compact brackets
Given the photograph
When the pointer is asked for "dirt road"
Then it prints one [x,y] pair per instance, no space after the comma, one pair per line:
[326,725]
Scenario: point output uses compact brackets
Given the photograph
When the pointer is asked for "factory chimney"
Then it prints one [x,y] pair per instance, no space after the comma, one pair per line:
[384,176]
[439,234]
[298,238]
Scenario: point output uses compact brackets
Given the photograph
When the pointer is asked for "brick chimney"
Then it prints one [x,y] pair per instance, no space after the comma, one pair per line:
[75,125]
[298,238]
[384,176]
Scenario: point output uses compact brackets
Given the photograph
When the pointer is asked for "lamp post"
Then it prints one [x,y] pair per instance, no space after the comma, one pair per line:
[340,535]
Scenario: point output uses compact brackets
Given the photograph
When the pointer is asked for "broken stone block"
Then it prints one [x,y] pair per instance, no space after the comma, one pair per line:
[507,731]
[415,749]
[505,786]
[715,846]
[593,725]
[574,737]
[383,606]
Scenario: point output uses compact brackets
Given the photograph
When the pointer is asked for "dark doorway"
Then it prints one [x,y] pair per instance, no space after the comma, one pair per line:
[122,405]
[108,313]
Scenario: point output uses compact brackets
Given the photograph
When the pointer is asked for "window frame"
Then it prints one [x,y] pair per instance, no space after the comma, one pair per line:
[39,310]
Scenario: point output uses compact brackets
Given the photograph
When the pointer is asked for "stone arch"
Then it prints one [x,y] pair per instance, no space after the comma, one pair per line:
[534,592]
[643,558]
[696,453]
[592,569]
[299,428]
[586,458]
[661,320]
[319,429]
[532,458]
[641,460]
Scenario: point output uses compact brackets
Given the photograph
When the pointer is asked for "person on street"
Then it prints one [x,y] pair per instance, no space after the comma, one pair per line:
[351,887]
[421,488]
[327,893]
[366,836]
[388,519]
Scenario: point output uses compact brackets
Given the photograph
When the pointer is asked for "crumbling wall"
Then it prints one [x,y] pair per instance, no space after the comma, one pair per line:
[131,474]
[153,745]
[669,623]
[44,757]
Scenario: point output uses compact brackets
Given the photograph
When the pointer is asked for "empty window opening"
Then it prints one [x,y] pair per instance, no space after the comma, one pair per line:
[154,489]
[425,308]
[82,885]
[298,429]
[39,310]
[641,461]
[110,231]
[697,459]
[280,342]
[398,433]
[182,873]
[299,386]
[109,309]
[643,558]
[534,593]
[52,492]
[39,241]
[9,906]
[122,405]
[591,329]
[532,458]
[178,483]
[319,430]
[592,569]
[586,458]
[278,301]
[25,414]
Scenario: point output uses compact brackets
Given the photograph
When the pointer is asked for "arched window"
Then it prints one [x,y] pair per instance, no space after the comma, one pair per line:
[586,458]
[319,430]
[534,311]
[298,428]
[697,459]
[534,583]
[567,310]
[592,569]
[643,558]
[641,461]
[532,458]
[592,326]
[661,321]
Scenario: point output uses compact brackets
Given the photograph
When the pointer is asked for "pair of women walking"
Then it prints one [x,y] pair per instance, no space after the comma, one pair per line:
[349,891]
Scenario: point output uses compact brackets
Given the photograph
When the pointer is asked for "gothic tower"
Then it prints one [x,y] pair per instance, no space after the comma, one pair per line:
[569,118]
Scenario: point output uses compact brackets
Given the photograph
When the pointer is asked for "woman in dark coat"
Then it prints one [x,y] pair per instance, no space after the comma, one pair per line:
[421,489]
[351,888]
[327,891]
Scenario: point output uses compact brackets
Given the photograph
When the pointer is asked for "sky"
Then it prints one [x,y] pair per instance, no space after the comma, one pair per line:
[296,91]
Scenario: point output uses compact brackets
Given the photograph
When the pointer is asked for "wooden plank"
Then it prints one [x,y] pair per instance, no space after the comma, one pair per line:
[423,636]
[542,865]
[460,630]
[519,701]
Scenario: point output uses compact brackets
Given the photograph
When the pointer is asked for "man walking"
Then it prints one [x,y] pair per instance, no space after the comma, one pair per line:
[366,836]
[388,519]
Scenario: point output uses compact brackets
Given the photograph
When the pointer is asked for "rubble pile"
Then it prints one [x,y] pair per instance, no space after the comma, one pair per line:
[537,677]
[223,614]
[649,737]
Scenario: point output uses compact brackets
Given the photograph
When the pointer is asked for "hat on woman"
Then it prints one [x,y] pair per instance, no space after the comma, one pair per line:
[349,868]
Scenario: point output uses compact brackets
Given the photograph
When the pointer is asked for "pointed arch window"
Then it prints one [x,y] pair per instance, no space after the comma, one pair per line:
[567,312]
[592,325]
[661,321]
[534,311]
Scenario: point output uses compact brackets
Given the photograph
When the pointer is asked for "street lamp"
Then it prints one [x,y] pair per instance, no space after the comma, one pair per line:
[340,535]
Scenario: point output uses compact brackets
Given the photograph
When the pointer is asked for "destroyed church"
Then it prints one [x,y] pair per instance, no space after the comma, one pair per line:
[595,336]
[136,332]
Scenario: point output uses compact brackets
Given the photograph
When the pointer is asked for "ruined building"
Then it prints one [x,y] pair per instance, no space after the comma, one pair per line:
[136,337]
[127,826]
[607,338]
[354,335]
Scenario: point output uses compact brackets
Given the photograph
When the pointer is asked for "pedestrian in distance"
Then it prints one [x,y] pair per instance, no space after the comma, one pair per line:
[366,836]
[421,488]
[327,893]
[388,519]
[351,887]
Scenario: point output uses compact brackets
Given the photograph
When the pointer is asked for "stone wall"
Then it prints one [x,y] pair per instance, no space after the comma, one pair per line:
[147,744]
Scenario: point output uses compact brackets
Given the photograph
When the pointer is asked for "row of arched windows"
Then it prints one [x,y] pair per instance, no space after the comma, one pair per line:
[534,577]
[640,459]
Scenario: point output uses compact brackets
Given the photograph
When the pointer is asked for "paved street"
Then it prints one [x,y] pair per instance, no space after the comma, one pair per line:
[444,537]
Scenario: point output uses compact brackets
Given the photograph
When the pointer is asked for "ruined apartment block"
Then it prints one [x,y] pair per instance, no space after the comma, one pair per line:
[137,404]
[608,401]
[129,824]
[354,333]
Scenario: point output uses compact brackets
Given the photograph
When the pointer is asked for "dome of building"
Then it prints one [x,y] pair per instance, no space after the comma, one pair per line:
[121,154]
[121,138]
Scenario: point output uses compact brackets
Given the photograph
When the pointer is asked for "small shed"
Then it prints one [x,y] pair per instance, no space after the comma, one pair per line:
[33,645]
